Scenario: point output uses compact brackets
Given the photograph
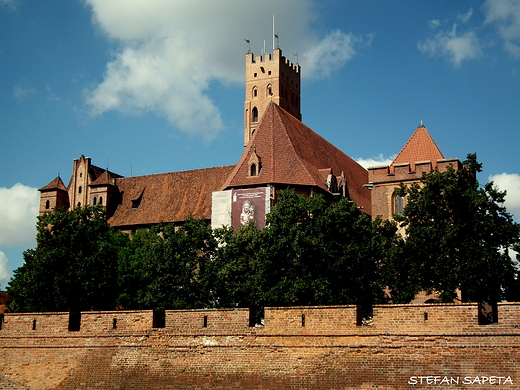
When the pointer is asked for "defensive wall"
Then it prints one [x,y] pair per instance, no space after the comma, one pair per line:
[423,346]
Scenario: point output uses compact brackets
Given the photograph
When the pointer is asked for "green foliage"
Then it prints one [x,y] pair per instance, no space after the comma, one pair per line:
[74,265]
[312,252]
[165,267]
[458,238]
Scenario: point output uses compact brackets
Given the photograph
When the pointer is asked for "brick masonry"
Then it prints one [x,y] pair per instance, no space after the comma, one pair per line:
[297,347]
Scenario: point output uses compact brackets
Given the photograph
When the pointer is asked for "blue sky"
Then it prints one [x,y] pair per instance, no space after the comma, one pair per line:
[157,85]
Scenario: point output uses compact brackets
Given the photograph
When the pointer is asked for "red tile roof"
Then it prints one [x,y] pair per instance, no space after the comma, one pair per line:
[168,197]
[291,153]
[106,178]
[56,184]
[420,147]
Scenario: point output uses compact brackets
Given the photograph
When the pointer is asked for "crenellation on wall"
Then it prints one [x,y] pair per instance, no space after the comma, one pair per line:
[413,319]
[326,351]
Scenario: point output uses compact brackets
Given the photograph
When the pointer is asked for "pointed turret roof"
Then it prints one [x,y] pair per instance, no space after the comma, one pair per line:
[56,184]
[420,147]
[291,153]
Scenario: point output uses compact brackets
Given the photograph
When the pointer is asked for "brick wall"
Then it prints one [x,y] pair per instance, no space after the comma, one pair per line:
[298,347]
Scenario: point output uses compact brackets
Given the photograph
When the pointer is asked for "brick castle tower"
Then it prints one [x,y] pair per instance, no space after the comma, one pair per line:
[269,79]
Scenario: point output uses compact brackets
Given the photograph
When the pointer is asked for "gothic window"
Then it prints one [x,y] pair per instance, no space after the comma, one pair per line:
[47,205]
[253,169]
[255,114]
[80,188]
[255,92]
[398,204]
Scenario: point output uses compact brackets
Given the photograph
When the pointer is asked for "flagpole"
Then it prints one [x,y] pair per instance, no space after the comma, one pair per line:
[273,34]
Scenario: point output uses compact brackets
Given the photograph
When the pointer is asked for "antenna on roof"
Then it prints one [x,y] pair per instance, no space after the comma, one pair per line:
[248,40]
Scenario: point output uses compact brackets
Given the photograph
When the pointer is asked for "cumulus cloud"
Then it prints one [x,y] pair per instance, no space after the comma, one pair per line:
[4,272]
[18,210]
[505,14]
[333,52]
[375,161]
[169,52]
[509,182]
[453,45]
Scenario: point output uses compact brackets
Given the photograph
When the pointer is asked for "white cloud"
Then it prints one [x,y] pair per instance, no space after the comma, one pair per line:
[9,3]
[18,210]
[505,14]
[169,51]
[509,182]
[23,90]
[464,18]
[375,161]
[5,275]
[333,52]
[457,47]
[433,24]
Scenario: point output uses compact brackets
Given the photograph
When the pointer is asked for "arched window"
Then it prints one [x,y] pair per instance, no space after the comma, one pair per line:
[253,169]
[398,204]
[255,92]
[79,190]
[95,200]
[101,200]
[79,204]
[47,205]
[255,114]
[269,90]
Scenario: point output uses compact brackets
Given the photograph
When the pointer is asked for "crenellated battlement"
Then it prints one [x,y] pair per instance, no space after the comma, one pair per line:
[421,319]
[314,348]
[276,57]
[409,171]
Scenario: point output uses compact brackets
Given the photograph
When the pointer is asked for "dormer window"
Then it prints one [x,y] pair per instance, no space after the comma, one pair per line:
[254,165]
[136,202]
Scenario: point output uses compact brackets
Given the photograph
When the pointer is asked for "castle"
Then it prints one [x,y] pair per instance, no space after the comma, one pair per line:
[280,152]
[416,345]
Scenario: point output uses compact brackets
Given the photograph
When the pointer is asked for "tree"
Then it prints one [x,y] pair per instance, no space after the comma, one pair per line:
[458,237]
[312,252]
[72,268]
[165,267]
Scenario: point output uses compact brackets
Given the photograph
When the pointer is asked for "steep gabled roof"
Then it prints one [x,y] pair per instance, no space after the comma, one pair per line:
[167,197]
[56,184]
[291,153]
[106,178]
[420,147]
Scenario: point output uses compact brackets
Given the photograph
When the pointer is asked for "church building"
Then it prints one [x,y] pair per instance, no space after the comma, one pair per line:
[280,152]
